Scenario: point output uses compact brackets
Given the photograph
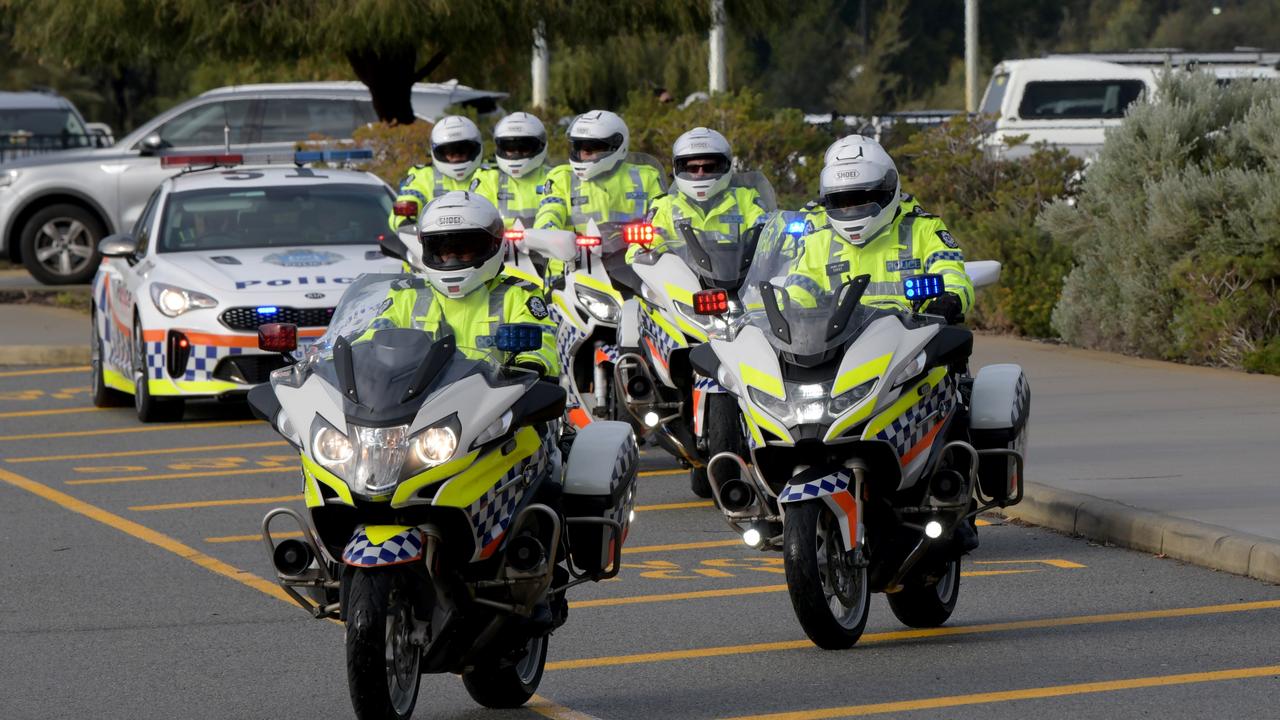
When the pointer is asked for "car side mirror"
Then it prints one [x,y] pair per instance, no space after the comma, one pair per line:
[119,245]
[151,144]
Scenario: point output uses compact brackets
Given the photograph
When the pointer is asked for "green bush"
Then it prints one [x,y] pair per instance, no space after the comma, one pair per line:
[990,204]
[1176,232]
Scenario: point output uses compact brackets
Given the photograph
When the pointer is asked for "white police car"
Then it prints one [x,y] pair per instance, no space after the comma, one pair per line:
[216,253]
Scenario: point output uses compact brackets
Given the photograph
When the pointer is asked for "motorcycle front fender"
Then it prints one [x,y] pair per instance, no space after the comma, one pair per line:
[383,545]
[839,490]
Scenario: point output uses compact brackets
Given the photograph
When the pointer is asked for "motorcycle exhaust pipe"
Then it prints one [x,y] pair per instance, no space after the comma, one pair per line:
[525,554]
[736,495]
[292,557]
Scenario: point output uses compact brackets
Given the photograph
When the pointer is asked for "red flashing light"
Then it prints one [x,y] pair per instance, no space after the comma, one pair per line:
[513,235]
[588,241]
[186,160]
[405,208]
[711,302]
[183,343]
[278,337]
[640,233]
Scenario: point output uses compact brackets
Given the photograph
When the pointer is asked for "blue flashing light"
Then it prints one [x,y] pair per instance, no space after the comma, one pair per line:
[268,310]
[795,227]
[518,337]
[332,156]
[922,287]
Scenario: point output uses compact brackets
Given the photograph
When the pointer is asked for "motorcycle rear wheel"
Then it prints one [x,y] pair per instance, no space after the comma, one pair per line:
[831,598]
[724,433]
[928,604]
[509,686]
[382,665]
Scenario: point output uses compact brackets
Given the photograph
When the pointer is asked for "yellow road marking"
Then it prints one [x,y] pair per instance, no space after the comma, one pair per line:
[667,597]
[1064,564]
[949,631]
[139,453]
[1024,694]
[249,538]
[145,534]
[659,473]
[184,427]
[628,550]
[550,709]
[215,503]
[183,475]
[44,371]
[59,411]
[675,506]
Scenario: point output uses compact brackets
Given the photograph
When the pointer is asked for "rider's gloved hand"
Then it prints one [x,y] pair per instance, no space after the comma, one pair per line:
[948,306]
[531,365]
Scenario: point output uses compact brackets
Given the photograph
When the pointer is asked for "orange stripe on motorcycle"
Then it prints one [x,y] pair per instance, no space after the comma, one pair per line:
[923,445]
[579,417]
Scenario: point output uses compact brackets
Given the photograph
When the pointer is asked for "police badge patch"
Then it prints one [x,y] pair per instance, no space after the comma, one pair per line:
[538,307]
[947,239]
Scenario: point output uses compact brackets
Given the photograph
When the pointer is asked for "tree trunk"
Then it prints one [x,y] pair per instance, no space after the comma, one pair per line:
[390,75]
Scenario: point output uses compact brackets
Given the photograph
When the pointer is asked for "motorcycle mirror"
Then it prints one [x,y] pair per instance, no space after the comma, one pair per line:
[518,337]
[983,272]
[554,244]
[711,302]
[278,337]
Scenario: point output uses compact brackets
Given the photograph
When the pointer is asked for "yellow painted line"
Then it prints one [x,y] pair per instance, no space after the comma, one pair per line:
[184,427]
[42,413]
[550,709]
[184,475]
[248,538]
[139,453]
[215,503]
[667,597]
[1064,564]
[950,631]
[44,371]
[660,473]
[628,550]
[1024,694]
[675,506]
[145,534]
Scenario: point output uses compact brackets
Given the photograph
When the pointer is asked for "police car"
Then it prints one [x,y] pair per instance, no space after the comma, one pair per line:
[220,249]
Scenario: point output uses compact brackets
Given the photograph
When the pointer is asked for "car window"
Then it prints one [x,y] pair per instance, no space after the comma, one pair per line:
[146,221]
[40,122]
[279,216]
[1079,98]
[297,119]
[204,124]
[995,94]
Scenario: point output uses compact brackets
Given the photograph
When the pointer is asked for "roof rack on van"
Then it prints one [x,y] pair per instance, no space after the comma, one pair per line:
[1177,57]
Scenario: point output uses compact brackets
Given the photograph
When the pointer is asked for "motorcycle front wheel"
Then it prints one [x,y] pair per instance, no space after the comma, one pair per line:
[830,596]
[508,685]
[382,664]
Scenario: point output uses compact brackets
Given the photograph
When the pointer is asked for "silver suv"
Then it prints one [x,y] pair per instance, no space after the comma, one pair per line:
[55,208]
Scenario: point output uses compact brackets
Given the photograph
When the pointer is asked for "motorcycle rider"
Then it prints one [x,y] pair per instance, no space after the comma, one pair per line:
[703,163]
[466,288]
[521,144]
[456,145]
[867,226]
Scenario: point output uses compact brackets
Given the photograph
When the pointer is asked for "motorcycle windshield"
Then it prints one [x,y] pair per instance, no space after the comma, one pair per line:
[806,326]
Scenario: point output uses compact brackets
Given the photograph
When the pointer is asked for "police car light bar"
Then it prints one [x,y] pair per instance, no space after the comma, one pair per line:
[332,156]
[188,160]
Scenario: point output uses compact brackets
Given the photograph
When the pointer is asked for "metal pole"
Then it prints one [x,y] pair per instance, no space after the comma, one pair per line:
[715,63]
[971,55]
[540,66]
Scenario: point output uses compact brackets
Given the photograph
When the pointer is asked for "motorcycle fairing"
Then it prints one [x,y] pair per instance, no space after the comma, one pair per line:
[911,424]
[313,476]
[837,490]
[383,545]
[574,326]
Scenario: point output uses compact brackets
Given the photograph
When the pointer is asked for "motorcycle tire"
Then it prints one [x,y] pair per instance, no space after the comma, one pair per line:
[149,407]
[810,544]
[724,433]
[381,690]
[928,604]
[509,685]
[103,396]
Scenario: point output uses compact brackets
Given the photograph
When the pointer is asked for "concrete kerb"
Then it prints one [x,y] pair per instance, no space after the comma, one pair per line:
[1109,521]
[44,355]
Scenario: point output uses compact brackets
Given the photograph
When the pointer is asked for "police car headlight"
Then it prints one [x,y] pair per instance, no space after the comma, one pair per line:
[601,306]
[172,301]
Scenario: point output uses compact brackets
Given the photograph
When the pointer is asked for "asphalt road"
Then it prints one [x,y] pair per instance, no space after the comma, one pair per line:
[134,587]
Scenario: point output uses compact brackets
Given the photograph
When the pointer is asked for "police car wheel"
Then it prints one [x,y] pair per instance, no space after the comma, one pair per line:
[149,407]
[103,396]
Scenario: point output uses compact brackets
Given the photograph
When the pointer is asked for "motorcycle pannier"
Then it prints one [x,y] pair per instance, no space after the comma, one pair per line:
[1000,407]
[599,482]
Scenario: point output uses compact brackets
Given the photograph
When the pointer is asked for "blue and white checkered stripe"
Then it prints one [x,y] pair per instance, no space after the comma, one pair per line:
[568,338]
[204,358]
[650,329]
[491,515]
[909,428]
[707,384]
[833,483]
[942,255]
[155,360]
[403,547]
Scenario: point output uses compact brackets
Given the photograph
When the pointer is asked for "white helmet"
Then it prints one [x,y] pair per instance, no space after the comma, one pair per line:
[521,142]
[594,132]
[859,188]
[705,145]
[461,234]
[456,134]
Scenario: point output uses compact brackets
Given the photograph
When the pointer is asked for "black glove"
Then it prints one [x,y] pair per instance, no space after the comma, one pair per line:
[531,365]
[948,306]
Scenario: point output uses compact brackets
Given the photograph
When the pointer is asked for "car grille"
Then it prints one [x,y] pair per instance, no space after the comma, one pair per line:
[247,369]
[249,318]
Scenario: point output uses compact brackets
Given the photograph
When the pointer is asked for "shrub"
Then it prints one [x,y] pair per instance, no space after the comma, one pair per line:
[395,148]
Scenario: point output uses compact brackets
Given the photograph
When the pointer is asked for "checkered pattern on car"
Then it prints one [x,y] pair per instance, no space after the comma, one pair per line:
[910,427]
[400,548]
[200,363]
[827,485]
[155,360]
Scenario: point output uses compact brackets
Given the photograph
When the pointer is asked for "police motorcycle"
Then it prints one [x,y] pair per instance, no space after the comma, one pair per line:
[442,524]
[688,414]
[871,448]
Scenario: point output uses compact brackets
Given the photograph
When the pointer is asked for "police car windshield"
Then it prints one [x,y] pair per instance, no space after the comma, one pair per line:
[234,218]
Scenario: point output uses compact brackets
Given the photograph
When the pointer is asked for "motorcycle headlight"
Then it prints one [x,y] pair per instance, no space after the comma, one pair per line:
[804,404]
[847,399]
[331,447]
[601,306]
[172,301]
[369,461]
[435,445]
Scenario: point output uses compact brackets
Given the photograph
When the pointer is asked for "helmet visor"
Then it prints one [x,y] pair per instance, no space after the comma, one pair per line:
[592,149]
[857,203]
[519,148]
[458,250]
[456,152]
[701,167]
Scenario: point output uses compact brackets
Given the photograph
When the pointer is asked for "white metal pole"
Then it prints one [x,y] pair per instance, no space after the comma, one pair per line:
[718,82]
[540,66]
[971,55]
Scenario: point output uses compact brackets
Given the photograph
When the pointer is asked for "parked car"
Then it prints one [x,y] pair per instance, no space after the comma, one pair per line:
[54,209]
[39,122]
